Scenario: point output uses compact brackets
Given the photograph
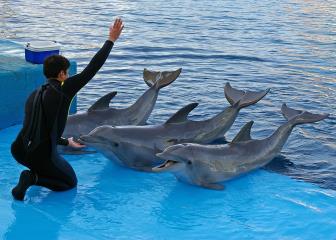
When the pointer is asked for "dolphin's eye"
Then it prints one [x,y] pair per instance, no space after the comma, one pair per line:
[189,162]
[116,144]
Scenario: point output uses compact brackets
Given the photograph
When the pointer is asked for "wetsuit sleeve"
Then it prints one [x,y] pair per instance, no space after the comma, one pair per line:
[73,84]
[63,141]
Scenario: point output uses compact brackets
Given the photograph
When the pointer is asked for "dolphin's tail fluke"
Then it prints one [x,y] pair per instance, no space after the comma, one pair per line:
[242,98]
[300,117]
[160,79]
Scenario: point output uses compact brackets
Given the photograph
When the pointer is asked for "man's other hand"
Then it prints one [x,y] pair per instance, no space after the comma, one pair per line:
[116,30]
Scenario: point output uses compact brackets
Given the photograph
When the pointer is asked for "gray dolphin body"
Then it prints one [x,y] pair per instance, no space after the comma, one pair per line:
[136,146]
[101,114]
[207,166]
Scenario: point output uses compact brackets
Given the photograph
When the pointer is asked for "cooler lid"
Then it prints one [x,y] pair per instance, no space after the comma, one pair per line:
[40,46]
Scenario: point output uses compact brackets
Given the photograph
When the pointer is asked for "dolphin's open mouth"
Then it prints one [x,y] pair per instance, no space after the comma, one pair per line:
[165,166]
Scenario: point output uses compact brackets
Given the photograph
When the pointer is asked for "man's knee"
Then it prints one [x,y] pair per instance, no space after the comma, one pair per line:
[65,184]
[72,182]
[15,151]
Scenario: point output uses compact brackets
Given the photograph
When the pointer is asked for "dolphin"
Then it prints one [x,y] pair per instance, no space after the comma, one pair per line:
[101,114]
[209,165]
[135,146]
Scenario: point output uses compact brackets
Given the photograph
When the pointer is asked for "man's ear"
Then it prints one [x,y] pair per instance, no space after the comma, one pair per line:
[61,74]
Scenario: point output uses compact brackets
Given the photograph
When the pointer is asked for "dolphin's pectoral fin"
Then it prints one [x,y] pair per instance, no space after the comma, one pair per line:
[182,114]
[244,133]
[213,186]
[103,102]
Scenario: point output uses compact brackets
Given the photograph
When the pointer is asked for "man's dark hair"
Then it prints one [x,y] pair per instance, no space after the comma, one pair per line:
[54,64]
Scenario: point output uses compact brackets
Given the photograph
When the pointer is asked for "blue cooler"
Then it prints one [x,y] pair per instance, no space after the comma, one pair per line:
[36,52]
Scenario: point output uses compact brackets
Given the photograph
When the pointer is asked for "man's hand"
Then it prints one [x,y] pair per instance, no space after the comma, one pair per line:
[115,30]
[74,144]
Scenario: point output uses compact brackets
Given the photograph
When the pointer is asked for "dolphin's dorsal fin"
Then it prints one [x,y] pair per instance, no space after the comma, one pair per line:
[103,102]
[182,114]
[244,133]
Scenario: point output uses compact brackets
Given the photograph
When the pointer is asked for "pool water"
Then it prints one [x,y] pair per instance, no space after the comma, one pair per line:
[111,202]
[288,46]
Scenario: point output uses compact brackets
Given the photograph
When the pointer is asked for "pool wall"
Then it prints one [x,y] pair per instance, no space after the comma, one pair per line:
[18,79]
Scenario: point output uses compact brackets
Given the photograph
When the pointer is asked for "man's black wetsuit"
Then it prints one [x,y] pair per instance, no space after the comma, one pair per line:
[50,169]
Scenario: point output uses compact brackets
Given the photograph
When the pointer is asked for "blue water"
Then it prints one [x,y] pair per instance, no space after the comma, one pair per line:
[287,45]
[111,202]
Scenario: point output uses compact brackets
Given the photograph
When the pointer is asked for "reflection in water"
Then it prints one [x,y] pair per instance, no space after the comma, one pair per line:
[320,173]
[44,219]
[280,164]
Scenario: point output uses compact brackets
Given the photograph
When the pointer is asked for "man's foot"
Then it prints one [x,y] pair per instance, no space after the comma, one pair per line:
[27,178]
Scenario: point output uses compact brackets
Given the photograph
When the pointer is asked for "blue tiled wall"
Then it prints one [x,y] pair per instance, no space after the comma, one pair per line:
[18,79]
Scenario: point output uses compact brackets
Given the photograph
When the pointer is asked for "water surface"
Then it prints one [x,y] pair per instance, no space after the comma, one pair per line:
[288,46]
